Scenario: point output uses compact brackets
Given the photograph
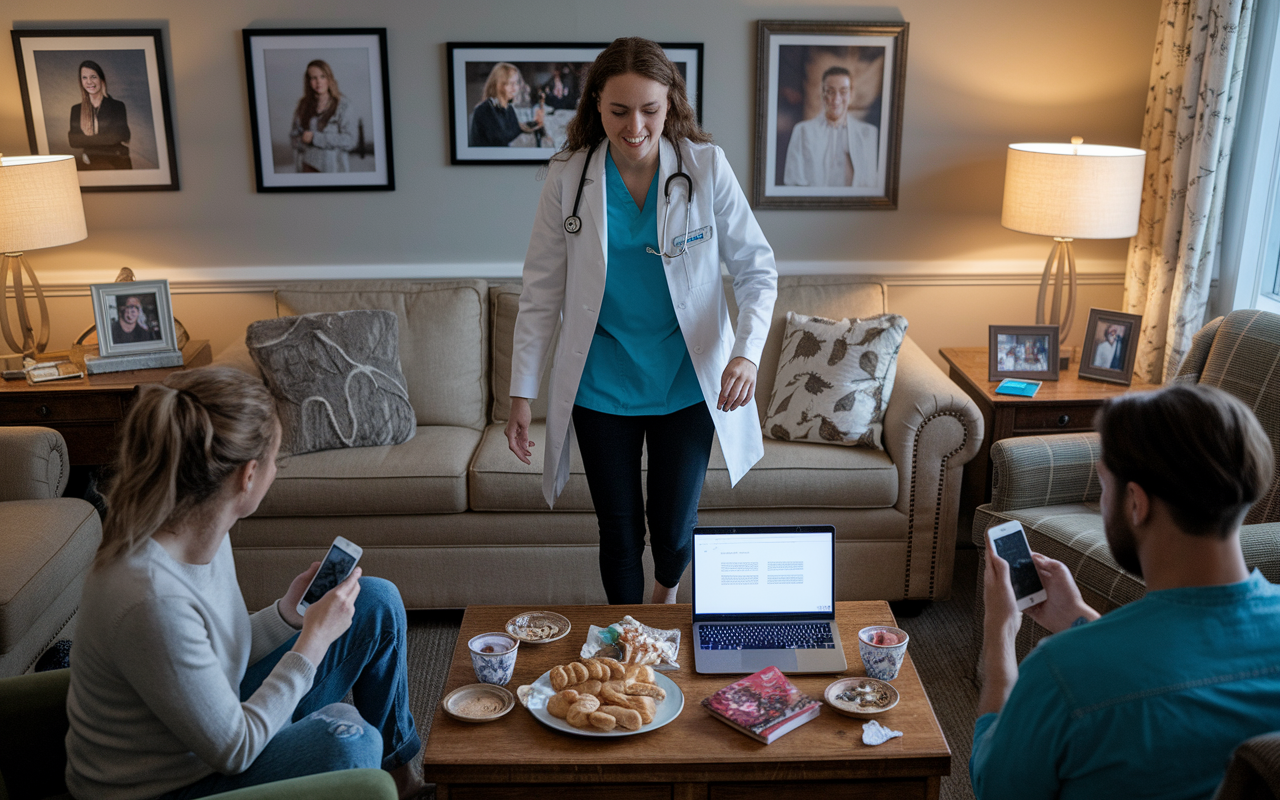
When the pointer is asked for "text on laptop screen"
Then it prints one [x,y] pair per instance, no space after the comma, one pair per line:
[762,573]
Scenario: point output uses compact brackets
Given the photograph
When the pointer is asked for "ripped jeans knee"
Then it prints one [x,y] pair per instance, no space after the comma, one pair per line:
[341,737]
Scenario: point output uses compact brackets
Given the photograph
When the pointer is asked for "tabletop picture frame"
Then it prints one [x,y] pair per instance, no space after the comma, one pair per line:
[1022,351]
[133,317]
[340,147]
[549,75]
[806,72]
[123,140]
[1110,346]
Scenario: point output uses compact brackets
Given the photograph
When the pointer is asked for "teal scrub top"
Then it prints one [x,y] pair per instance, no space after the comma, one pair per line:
[638,363]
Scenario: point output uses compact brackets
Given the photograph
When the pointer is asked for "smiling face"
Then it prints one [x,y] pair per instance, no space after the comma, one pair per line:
[318,81]
[130,312]
[90,80]
[633,110]
[835,96]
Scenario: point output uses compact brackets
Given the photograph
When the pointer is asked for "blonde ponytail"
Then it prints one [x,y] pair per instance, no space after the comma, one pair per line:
[179,443]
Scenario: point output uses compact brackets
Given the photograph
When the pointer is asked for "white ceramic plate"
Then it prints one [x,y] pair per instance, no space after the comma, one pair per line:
[668,709]
[517,625]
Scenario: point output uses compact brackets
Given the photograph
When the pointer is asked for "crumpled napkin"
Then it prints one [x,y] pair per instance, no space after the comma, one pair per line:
[873,733]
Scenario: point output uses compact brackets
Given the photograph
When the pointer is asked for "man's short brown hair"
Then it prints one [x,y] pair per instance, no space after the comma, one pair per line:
[1197,448]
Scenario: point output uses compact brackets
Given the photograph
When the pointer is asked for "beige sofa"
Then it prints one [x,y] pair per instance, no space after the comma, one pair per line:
[454,518]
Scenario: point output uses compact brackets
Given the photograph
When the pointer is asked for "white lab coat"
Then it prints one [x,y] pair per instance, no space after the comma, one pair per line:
[808,143]
[564,278]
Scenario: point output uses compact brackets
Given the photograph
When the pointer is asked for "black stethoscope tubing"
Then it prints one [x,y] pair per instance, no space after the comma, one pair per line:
[573,222]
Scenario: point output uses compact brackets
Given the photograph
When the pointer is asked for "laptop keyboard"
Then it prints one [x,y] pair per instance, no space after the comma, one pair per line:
[785,636]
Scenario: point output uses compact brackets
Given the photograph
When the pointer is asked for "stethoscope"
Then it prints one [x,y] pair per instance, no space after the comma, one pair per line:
[573,222]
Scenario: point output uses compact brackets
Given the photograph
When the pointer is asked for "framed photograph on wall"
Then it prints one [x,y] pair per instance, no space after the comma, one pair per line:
[829,99]
[320,109]
[1022,351]
[1110,346]
[510,103]
[133,317]
[101,96]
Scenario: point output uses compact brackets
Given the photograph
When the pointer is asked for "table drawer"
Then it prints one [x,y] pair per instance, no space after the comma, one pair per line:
[42,409]
[576,791]
[1053,419]
[828,790]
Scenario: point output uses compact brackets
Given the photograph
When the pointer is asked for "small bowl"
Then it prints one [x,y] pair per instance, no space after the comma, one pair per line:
[520,626]
[881,696]
[484,701]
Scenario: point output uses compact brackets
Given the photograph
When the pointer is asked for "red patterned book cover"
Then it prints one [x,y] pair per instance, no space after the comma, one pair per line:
[764,706]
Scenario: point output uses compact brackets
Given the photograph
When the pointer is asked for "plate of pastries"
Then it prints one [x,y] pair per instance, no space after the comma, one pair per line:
[604,697]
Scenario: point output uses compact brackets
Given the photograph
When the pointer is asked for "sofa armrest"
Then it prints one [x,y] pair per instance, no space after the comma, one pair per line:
[1034,471]
[1261,546]
[35,464]
[367,784]
[1254,771]
[33,726]
[931,430]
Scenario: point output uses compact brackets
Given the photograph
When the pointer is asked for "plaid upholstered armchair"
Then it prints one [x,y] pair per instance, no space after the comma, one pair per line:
[1050,483]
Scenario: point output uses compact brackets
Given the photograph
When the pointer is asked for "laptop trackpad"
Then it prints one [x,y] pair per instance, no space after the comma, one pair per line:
[756,660]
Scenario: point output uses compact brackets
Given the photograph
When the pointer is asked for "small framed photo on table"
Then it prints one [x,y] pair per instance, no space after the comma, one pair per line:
[1022,351]
[1110,346]
[133,317]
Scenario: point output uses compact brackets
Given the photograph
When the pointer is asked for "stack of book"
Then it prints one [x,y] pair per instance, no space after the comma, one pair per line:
[764,706]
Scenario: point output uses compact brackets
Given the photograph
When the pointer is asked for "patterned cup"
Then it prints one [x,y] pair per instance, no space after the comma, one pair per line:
[493,655]
[882,661]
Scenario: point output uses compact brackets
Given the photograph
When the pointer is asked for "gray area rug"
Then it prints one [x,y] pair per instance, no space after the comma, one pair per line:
[939,647]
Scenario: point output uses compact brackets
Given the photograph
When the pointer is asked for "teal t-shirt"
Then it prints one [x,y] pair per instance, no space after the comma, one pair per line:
[638,363]
[1148,701]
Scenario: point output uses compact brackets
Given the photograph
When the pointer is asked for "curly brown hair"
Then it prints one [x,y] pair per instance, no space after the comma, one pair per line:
[632,55]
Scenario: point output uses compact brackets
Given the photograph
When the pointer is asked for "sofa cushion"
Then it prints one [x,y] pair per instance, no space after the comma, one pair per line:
[504,304]
[336,379]
[834,379]
[425,475]
[443,338]
[789,475]
[44,546]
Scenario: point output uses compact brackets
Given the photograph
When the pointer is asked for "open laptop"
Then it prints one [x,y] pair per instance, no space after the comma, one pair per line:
[765,596]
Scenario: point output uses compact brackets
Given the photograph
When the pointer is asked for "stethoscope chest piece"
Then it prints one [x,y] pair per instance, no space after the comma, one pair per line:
[572,223]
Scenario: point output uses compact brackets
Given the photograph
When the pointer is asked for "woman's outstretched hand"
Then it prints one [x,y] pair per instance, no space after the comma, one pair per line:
[518,429]
[737,384]
[328,618]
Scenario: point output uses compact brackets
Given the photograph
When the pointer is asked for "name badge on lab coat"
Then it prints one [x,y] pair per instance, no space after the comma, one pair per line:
[700,236]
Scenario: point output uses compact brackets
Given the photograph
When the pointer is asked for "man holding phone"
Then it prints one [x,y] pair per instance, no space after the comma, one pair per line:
[1150,700]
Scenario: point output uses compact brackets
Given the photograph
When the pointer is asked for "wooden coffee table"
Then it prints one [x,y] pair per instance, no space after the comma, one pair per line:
[696,756]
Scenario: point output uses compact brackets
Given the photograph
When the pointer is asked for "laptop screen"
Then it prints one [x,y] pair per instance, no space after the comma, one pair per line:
[763,571]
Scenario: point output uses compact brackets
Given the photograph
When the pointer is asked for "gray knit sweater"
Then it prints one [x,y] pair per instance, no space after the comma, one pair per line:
[160,650]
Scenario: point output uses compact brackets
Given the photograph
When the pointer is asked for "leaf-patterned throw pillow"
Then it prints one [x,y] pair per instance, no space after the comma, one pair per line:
[834,379]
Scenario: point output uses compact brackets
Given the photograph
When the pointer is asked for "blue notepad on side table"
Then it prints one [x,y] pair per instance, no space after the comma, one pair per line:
[1018,387]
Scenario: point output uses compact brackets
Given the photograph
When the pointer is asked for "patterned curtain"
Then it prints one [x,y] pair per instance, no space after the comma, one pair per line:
[1190,120]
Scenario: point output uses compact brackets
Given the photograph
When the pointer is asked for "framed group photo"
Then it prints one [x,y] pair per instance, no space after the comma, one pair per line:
[101,96]
[320,109]
[1022,351]
[133,317]
[1110,346]
[510,103]
[829,100]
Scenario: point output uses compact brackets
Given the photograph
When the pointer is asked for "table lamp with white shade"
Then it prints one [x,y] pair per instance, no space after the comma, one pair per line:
[1070,191]
[39,207]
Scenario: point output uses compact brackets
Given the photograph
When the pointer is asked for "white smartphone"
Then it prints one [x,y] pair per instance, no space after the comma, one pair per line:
[337,565]
[1010,543]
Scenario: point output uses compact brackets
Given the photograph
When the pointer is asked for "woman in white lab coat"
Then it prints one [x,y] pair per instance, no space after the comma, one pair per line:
[647,352]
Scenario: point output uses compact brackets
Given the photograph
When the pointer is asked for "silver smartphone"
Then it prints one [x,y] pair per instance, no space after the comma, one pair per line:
[337,565]
[1010,543]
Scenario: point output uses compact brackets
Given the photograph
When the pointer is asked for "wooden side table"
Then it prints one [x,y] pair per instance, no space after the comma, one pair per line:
[1062,406]
[86,410]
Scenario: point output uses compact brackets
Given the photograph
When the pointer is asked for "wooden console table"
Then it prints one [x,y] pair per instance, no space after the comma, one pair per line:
[86,410]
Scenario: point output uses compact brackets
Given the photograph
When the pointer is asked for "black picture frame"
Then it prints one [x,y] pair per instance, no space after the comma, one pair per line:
[358,155]
[1005,354]
[538,65]
[1124,349]
[132,148]
[791,59]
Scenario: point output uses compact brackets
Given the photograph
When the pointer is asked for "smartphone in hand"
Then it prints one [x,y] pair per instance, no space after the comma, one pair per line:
[1010,543]
[337,565]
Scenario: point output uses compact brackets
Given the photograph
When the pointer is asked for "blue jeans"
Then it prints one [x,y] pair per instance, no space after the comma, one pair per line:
[326,734]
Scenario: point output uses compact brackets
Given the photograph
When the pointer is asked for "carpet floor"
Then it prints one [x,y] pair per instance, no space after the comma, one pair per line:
[939,647]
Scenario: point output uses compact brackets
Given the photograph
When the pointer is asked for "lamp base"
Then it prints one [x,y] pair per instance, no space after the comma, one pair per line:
[32,344]
[1063,259]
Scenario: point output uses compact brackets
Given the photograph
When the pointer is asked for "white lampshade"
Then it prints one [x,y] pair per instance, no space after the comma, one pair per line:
[40,203]
[1076,191]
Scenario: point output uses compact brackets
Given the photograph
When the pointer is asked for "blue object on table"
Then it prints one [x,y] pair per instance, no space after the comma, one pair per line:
[1019,388]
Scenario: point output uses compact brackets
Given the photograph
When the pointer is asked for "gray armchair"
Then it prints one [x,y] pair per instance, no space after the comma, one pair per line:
[1050,483]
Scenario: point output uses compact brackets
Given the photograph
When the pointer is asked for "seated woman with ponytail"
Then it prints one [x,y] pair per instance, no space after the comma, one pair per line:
[177,691]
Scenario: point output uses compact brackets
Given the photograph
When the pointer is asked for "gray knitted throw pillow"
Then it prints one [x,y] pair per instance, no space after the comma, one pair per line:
[336,379]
